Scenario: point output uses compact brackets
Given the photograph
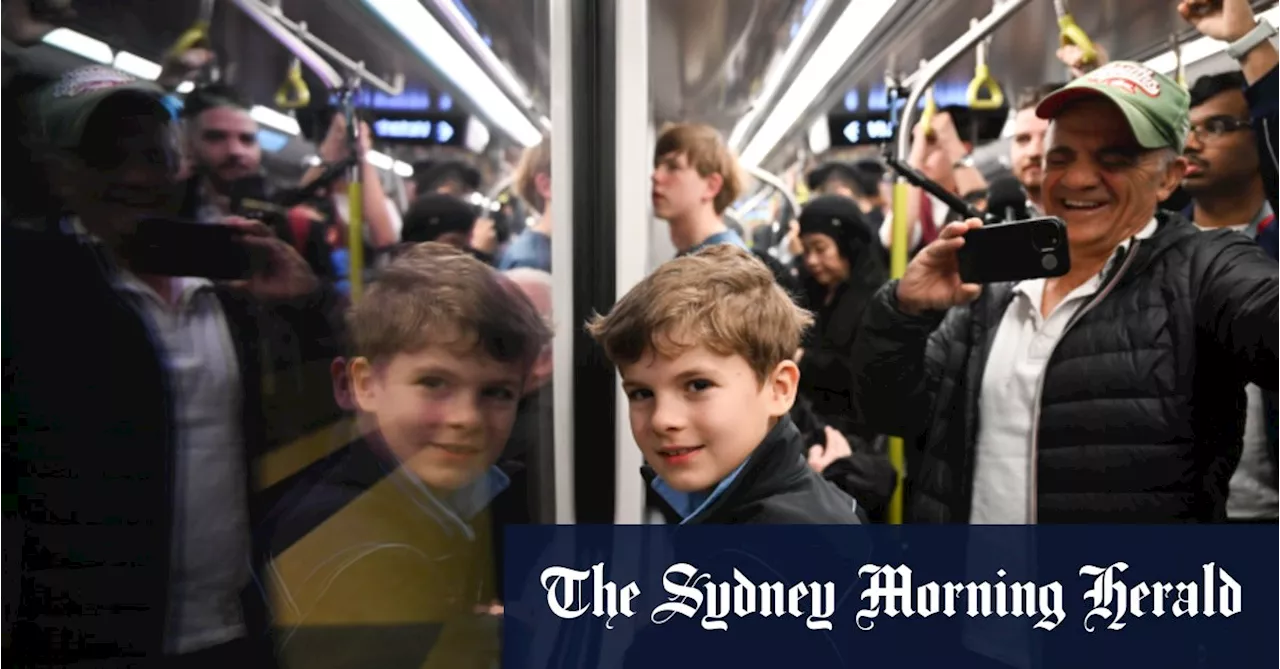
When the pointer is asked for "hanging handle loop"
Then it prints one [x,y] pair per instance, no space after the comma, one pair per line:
[930,110]
[196,35]
[293,93]
[1073,34]
[983,81]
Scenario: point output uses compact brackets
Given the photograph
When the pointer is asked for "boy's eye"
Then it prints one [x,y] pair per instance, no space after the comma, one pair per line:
[432,382]
[639,394]
[500,393]
[699,385]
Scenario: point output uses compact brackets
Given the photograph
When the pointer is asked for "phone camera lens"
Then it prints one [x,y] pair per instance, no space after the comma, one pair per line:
[1046,237]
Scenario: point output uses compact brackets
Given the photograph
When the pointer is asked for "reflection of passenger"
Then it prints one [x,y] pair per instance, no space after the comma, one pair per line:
[439,218]
[704,347]
[399,554]
[222,145]
[533,424]
[532,248]
[136,403]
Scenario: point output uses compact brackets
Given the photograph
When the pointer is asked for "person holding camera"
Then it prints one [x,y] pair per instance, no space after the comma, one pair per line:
[1112,394]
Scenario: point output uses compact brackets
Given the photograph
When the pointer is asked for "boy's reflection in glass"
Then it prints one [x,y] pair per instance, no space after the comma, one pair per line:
[385,553]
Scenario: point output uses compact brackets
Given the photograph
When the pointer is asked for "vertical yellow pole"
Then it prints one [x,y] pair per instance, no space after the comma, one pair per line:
[355,236]
[898,267]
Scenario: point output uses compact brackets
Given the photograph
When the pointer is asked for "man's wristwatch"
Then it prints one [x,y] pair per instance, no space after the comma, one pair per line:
[966,161]
[1260,33]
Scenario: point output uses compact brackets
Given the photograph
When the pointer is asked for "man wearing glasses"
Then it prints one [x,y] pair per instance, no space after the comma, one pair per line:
[1224,178]
[1223,172]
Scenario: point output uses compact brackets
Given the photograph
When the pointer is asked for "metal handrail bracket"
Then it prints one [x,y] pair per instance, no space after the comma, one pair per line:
[771,179]
[295,37]
[923,78]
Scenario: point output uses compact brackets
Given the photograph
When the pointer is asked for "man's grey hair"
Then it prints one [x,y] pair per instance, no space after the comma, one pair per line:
[533,280]
[1167,155]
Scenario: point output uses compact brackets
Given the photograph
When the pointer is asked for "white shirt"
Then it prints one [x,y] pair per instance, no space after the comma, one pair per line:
[1002,477]
[1002,473]
[210,559]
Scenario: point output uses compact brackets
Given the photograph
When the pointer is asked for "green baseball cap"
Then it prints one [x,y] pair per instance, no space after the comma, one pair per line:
[1156,106]
[62,109]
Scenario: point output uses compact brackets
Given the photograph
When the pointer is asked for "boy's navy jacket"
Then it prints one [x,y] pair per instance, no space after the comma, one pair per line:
[776,487]
[370,570]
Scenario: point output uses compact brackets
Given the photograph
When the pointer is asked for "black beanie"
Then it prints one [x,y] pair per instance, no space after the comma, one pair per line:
[433,215]
[837,217]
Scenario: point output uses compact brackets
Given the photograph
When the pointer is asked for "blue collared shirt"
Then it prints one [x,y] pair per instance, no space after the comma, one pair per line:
[690,504]
[456,509]
[725,237]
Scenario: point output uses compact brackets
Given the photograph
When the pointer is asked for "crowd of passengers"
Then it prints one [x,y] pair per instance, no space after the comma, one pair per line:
[157,524]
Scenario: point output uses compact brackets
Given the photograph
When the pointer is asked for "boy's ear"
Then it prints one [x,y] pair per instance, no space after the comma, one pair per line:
[781,386]
[715,181]
[364,384]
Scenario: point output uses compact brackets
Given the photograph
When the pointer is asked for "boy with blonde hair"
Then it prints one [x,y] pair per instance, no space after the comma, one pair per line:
[704,346]
[695,179]
[383,554]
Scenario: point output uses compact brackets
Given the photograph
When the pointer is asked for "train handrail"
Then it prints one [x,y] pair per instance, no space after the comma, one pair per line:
[295,37]
[1073,34]
[773,180]
[293,92]
[982,79]
[1180,68]
[924,77]
[355,194]
[920,81]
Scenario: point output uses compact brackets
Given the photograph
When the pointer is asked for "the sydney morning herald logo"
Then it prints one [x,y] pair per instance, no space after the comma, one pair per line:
[890,591]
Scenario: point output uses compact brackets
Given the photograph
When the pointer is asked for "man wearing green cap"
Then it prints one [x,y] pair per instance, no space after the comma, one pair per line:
[1111,394]
[136,401]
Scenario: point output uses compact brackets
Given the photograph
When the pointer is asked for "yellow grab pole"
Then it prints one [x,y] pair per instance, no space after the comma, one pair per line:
[898,267]
[355,236]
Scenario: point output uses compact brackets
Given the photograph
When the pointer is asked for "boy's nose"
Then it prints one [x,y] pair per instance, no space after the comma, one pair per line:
[463,413]
[667,416]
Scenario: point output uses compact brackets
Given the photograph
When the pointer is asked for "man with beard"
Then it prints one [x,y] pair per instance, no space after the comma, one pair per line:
[1026,151]
[222,144]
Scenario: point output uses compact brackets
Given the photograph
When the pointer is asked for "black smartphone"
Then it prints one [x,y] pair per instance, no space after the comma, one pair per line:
[1033,249]
[166,247]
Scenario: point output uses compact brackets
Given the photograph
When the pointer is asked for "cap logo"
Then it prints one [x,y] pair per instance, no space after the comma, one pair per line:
[87,79]
[1128,77]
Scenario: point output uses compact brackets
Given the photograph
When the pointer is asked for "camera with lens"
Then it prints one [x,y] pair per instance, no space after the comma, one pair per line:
[1045,237]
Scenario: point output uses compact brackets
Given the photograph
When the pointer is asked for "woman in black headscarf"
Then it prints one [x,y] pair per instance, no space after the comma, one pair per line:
[843,269]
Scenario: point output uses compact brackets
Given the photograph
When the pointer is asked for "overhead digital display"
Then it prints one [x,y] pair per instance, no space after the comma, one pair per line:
[863,129]
[419,128]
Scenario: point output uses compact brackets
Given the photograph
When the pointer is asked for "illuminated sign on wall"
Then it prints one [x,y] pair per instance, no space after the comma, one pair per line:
[945,94]
[419,128]
[415,99]
[859,129]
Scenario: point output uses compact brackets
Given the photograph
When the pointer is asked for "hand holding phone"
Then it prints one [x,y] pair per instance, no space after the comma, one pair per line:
[236,249]
[279,273]
[932,281]
[165,247]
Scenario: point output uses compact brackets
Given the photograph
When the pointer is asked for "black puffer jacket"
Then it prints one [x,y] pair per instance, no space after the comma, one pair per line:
[1142,407]
[777,487]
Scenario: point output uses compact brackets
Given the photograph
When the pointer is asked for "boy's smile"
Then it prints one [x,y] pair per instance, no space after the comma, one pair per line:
[698,415]
[445,414]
